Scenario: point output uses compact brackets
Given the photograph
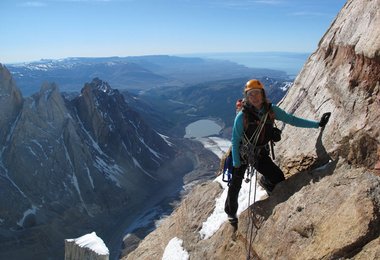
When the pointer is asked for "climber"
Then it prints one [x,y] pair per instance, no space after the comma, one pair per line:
[250,136]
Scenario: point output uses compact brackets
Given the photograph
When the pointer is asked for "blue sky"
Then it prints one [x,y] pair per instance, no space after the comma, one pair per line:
[43,29]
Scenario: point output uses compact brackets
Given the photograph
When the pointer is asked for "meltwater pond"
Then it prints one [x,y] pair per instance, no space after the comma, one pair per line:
[202,128]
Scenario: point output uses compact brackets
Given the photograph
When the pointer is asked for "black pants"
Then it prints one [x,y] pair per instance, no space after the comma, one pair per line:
[265,166]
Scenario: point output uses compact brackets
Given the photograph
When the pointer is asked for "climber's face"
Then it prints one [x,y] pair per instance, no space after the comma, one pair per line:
[255,97]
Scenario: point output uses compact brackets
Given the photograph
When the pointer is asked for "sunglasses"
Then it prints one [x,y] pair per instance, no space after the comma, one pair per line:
[254,92]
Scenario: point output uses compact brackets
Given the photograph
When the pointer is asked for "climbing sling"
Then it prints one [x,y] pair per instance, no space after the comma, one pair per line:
[248,148]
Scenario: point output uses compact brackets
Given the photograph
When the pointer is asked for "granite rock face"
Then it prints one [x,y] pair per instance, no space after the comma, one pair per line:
[329,205]
[331,217]
[10,101]
[342,77]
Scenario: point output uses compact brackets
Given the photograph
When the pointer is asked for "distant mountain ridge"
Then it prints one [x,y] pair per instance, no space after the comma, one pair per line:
[290,62]
[139,72]
[213,99]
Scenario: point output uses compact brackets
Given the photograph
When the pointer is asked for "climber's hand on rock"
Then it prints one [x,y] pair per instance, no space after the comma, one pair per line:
[325,118]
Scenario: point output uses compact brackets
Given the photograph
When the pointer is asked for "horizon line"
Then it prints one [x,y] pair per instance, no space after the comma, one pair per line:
[146,55]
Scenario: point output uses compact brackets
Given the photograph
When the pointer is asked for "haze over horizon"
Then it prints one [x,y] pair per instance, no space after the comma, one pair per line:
[53,29]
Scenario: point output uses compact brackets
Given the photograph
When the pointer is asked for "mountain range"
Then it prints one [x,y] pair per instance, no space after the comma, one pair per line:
[132,73]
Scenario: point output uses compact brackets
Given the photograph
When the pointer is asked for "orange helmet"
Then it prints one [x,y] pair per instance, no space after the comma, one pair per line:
[253,84]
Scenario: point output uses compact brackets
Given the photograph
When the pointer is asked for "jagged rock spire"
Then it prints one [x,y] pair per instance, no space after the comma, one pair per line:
[10,102]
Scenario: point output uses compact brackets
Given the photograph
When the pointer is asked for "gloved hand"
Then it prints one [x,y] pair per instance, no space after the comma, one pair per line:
[325,118]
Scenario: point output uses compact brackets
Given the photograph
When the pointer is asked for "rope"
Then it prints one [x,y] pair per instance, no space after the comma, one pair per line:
[255,138]
[249,219]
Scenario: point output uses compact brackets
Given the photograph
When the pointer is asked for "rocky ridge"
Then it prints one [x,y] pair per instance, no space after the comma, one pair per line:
[329,205]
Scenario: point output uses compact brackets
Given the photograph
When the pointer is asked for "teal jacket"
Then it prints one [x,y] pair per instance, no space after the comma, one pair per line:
[279,114]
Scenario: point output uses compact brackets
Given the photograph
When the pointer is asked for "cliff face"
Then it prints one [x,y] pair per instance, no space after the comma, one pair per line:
[342,76]
[329,206]
[10,101]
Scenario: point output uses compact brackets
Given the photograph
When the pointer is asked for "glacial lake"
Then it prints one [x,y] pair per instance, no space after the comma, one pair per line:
[202,128]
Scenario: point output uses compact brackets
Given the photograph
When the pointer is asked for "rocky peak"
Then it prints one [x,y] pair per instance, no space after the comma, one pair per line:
[111,127]
[48,105]
[98,84]
[328,207]
[7,84]
[10,101]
